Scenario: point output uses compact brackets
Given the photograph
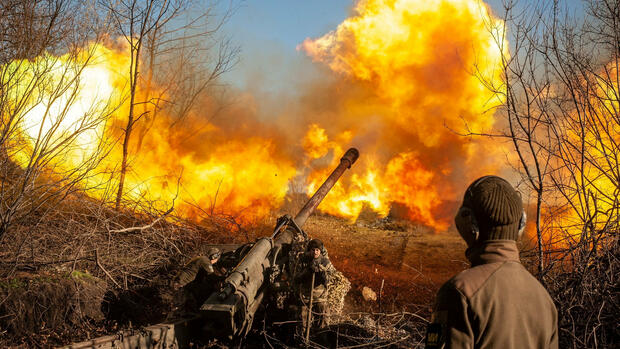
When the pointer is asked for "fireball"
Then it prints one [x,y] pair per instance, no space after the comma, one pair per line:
[419,65]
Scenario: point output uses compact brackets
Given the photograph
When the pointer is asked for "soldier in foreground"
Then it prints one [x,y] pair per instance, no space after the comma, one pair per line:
[496,303]
[314,276]
[197,279]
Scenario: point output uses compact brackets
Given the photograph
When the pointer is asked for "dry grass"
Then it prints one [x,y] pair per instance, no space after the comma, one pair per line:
[70,273]
[40,258]
[587,295]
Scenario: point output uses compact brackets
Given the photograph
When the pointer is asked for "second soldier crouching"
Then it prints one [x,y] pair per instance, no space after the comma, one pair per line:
[196,280]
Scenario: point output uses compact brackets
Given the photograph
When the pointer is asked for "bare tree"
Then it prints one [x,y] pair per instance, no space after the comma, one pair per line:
[560,97]
[40,21]
[153,26]
[523,95]
[38,92]
[186,62]
[584,60]
[134,20]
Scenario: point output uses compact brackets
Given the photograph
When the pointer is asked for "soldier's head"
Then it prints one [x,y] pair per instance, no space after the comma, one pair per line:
[492,210]
[214,254]
[315,246]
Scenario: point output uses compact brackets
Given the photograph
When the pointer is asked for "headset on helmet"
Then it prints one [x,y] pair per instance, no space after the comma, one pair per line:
[214,253]
[466,220]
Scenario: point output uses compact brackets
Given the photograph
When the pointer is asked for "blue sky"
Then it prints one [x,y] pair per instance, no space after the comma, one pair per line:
[268,31]
[285,22]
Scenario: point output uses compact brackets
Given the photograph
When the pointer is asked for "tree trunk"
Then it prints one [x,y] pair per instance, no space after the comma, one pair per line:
[130,121]
[541,263]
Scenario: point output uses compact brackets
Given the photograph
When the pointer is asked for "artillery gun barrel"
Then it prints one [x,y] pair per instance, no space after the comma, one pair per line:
[345,162]
[231,310]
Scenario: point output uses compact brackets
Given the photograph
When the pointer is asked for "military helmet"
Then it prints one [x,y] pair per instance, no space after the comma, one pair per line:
[315,243]
[214,253]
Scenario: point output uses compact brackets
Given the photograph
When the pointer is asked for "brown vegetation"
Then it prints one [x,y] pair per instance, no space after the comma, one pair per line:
[45,308]
[588,299]
[74,267]
[77,277]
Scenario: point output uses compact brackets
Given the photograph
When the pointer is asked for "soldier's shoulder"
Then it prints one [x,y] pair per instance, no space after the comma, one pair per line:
[197,263]
[469,281]
[199,260]
[325,261]
[519,274]
[448,297]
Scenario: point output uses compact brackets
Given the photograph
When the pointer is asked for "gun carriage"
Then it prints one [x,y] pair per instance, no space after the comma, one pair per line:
[266,268]
[261,277]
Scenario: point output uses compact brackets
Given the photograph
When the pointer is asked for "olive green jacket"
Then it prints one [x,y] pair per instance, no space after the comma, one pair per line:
[496,303]
[190,271]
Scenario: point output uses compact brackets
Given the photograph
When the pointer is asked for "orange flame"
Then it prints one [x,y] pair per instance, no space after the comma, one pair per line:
[244,176]
[403,83]
[413,62]
[585,171]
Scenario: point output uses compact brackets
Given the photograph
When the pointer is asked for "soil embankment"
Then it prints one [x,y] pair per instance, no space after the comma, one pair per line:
[409,260]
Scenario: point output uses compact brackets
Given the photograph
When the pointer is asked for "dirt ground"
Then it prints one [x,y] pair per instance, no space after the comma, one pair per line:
[409,260]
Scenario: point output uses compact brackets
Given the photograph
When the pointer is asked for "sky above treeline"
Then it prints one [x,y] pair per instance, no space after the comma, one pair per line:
[268,32]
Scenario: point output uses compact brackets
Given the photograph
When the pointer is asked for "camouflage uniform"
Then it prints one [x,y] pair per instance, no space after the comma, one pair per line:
[197,280]
[191,269]
[318,267]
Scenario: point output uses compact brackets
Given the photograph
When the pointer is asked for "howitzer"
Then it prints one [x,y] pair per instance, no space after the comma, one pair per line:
[265,267]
